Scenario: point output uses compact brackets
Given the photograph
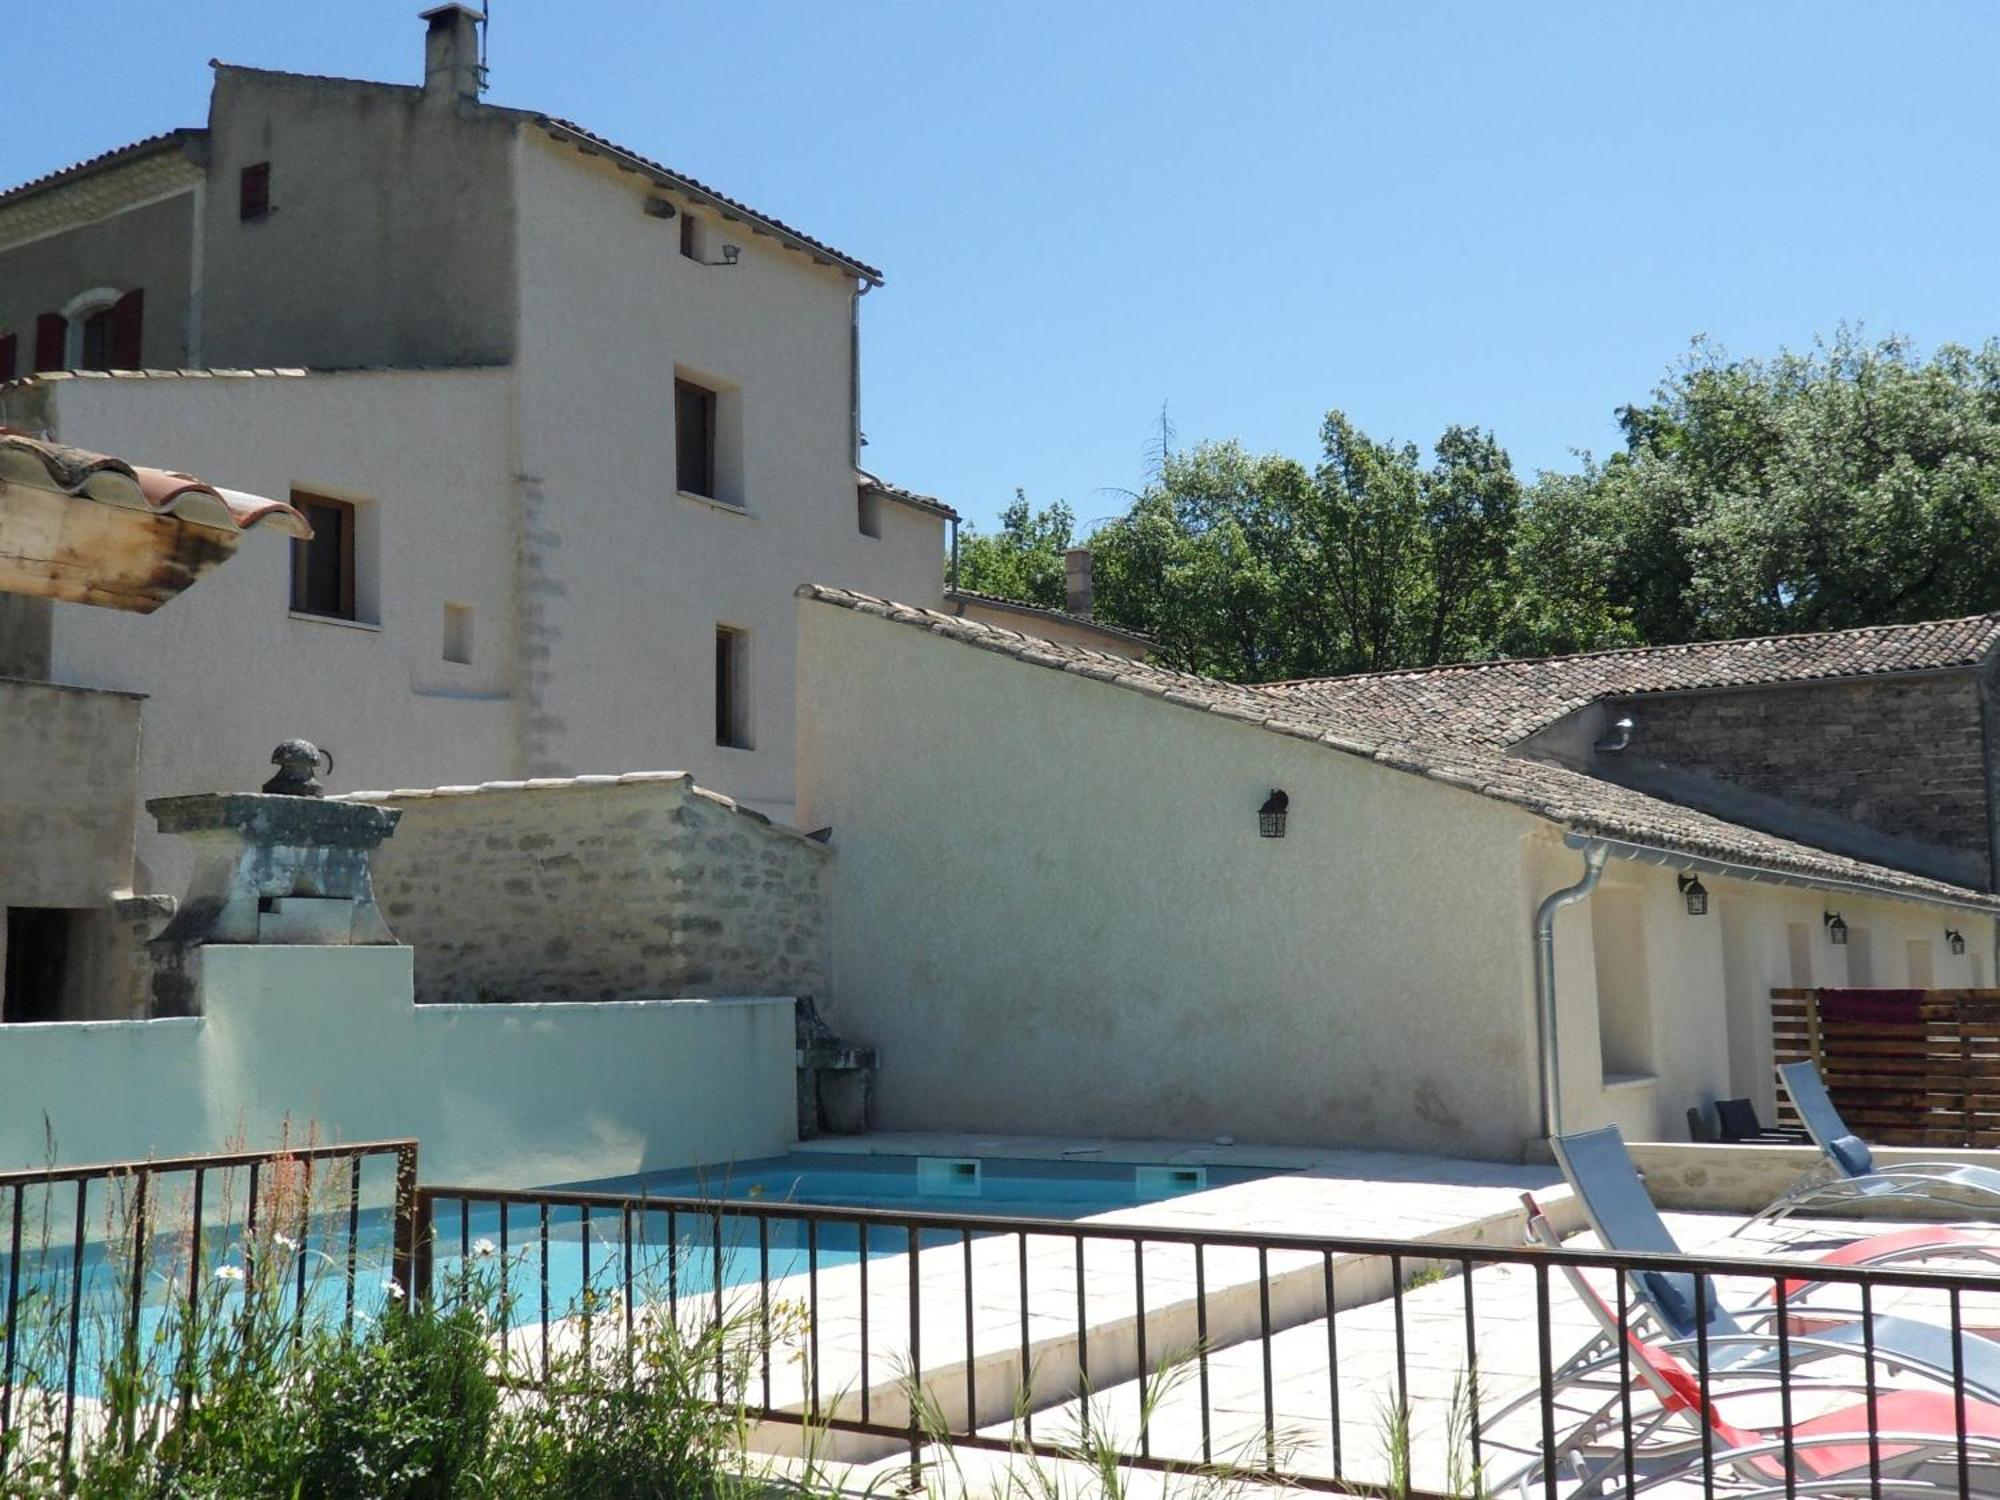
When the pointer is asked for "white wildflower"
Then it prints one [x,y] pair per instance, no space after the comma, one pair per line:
[392,1286]
[228,1273]
[484,1249]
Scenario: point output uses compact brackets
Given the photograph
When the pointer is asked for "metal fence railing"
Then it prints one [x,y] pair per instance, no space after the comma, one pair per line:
[1344,1363]
[105,1268]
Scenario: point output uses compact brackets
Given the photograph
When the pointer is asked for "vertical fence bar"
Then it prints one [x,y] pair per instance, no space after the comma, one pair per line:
[1082,1348]
[628,1290]
[75,1343]
[918,1388]
[1201,1349]
[142,1248]
[13,1329]
[971,1375]
[1026,1404]
[411,1237]
[1402,1358]
[305,1239]
[1139,1329]
[1868,1378]
[1785,1390]
[764,1298]
[1706,1414]
[1332,1359]
[543,1278]
[1264,1328]
[1958,1391]
[1625,1376]
[721,1342]
[506,1302]
[1465,1267]
[353,1231]
[866,1379]
[1546,1367]
[812,1311]
[192,1332]
[583,1271]
[250,1238]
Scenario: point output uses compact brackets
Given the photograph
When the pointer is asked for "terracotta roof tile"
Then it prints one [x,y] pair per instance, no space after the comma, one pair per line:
[113,481]
[1404,741]
[1498,703]
[873,484]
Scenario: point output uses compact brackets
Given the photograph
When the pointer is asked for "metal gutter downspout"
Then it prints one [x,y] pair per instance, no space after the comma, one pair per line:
[1545,981]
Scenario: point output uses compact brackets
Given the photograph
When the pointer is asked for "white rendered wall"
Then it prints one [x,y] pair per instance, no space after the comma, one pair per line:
[228,670]
[1053,913]
[633,577]
[328,1041]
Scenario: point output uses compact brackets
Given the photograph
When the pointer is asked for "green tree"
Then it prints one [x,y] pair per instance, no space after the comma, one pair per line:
[1024,559]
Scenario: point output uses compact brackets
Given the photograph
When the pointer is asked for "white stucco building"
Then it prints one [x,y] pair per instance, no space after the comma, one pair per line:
[1054,910]
[571,428]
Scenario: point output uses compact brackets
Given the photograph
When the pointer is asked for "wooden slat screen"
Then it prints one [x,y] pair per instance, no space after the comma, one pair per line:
[1932,1079]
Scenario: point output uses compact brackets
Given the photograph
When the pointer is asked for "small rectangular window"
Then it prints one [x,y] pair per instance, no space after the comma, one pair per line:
[694,438]
[732,687]
[37,969]
[690,237]
[323,568]
[253,191]
[458,633]
[870,513]
[8,345]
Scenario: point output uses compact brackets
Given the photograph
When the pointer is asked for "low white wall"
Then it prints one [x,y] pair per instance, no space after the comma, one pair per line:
[329,1039]
[1741,1179]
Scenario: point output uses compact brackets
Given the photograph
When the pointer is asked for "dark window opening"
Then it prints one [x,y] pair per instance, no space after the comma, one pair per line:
[253,191]
[694,438]
[109,337]
[732,688]
[51,333]
[8,345]
[38,942]
[870,513]
[689,247]
[323,568]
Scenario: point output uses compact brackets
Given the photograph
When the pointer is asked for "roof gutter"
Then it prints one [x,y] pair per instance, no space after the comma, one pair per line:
[1594,853]
[1729,869]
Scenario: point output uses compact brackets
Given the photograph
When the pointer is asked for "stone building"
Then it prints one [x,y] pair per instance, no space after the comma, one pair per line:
[569,425]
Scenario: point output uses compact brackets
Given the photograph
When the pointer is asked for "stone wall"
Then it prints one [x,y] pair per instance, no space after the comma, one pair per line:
[1900,754]
[600,888]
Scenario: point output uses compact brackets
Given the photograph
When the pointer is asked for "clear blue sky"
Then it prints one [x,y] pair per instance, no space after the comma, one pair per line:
[1501,214]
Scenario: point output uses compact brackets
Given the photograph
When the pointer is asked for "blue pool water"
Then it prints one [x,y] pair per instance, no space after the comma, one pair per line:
[683,1253]
[538,1263]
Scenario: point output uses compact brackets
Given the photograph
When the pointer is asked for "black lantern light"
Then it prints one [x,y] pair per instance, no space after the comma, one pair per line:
[1271,816]
[1696,895]
[1836,930]
[1954,939]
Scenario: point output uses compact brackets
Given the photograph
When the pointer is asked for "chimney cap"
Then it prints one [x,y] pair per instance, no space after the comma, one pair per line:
[452,8]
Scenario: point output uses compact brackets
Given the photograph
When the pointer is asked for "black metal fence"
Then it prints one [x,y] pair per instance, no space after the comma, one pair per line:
[1346,1364]
[99,1258]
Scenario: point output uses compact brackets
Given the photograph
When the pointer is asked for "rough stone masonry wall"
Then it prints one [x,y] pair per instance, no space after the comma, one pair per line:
[641,886]
[1900,754]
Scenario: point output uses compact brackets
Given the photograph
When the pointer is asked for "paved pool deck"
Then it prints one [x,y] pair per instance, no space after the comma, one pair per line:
[1069,1317]
[1312,1414]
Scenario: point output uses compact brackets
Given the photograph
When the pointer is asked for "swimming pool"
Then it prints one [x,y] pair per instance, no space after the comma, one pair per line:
[548,1257]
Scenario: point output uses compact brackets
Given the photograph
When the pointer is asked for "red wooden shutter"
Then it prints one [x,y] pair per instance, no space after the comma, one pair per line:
[123,344]
[7,345]
[50,331]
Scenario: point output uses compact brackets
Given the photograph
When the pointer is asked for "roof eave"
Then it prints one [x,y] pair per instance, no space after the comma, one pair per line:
[595,145]
[1640,851]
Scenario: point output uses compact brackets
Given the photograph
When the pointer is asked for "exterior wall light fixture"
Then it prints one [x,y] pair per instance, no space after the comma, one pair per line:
[1954,939]
[1696,895]
[1271,816]
[1836,930]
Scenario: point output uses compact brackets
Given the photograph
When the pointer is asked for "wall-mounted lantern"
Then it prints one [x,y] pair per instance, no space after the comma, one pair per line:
[1695,894]
[1836,930]
[1271,816]
[1954,939]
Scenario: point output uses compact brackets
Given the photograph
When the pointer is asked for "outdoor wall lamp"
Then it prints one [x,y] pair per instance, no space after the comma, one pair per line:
[1954,939]
[1836,930]
[1271,816]
[1696,895]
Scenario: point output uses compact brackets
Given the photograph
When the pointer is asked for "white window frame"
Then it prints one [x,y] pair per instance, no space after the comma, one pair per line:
[75,312]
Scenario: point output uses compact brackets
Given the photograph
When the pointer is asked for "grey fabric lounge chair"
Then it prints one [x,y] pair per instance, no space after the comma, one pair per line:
[1602,1175]
[1861,1179]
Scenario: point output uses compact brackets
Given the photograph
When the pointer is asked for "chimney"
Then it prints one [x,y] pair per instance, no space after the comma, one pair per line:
[451,53]
[1076,581]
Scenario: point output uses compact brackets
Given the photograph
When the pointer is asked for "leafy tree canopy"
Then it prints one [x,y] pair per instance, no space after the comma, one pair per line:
[1853,484]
